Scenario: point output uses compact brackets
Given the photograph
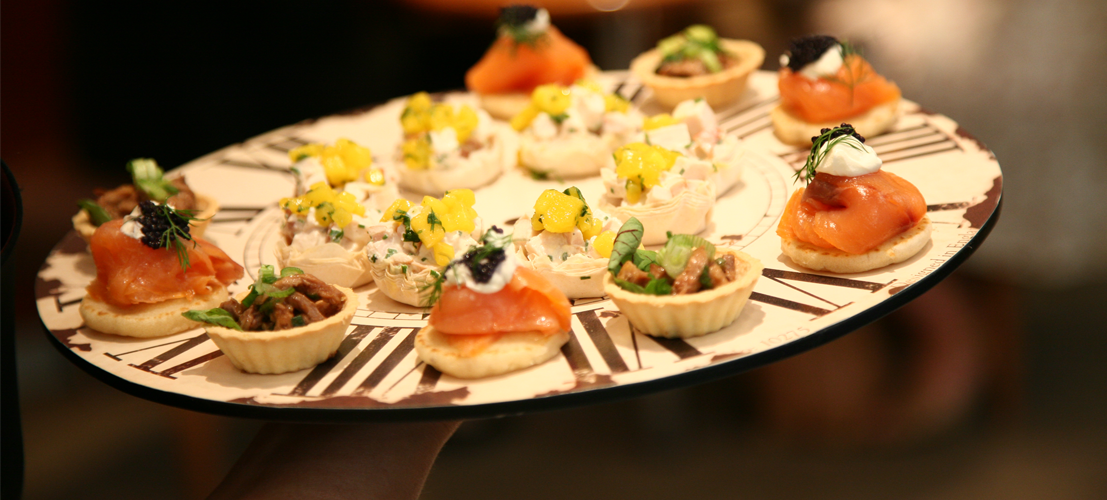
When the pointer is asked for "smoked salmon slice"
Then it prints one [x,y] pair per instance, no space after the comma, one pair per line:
[853,91]
[852,214]
[509,66]
[129,272]
[529,303]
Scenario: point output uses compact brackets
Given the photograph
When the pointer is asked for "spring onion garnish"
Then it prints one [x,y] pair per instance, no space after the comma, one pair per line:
[821,145]
[150,179]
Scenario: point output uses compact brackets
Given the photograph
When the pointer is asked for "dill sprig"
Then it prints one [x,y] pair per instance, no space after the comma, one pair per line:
[852,80]
[166,227]
[821,145]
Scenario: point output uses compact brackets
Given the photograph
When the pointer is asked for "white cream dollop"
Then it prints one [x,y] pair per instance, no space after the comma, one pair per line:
[849,158]
[131,227]
[540,23]
[459,274]
[826,66]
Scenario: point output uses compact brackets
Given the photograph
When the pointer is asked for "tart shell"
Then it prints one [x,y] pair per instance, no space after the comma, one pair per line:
[691,315]
[719,89]
[289,350]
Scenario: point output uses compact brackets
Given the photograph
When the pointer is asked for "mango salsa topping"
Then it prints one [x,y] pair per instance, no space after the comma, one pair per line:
[343,162]
[562,212]
[554,100]
[330,206]
[641,165]
[658,121]
[422,116]
[454,212]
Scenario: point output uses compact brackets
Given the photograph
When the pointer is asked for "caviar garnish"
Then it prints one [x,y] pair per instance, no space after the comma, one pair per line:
[513,22]
[808,49]
[164,227]
[821,144]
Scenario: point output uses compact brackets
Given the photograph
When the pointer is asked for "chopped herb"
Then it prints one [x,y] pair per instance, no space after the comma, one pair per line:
[336,235]
[582,278]
[150,179]
[391,252]
[564,256]
[298,320]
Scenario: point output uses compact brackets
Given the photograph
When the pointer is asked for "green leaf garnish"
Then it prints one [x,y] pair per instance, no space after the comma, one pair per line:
[96,214]
[626,242]
[217,316]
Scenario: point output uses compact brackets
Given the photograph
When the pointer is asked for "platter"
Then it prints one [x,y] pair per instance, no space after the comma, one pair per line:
[376,375]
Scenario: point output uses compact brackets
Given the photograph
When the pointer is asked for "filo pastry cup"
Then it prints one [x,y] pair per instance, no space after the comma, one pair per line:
[283,351]
[404,286]
[578,277]
[687,212]
[691,315]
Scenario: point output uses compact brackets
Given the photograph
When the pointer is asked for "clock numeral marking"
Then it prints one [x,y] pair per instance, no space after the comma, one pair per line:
[190,363]
[389,363]
[602,340]
[321,370]
[184,346]
[574,355]
[362,358]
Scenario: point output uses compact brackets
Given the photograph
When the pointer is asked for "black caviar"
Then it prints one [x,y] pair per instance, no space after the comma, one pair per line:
[156,220]
[839,131]
[517,15]
[808,49]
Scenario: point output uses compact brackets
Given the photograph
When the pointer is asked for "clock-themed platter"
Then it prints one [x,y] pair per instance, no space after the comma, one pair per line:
[376,375]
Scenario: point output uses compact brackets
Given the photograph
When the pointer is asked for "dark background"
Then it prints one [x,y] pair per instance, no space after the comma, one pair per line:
[1021,412]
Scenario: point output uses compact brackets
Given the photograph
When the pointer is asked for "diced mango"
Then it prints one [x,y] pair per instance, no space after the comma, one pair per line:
[604,243]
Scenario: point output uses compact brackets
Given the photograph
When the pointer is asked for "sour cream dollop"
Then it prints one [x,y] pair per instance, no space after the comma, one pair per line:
[459,274]
[826,66]
[849,158]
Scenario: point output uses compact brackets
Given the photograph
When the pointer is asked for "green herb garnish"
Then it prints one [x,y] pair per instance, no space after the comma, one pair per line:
[217,316]
[821,145]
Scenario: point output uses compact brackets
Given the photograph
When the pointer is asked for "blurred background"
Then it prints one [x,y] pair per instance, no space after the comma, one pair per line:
[992,385]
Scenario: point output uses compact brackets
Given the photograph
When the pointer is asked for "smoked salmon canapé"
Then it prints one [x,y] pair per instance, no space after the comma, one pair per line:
[149,270]
[528,52]
[824,82]
[697,64]
[686,289]
[491,315]
[852,217]
[286,322]
[148,183]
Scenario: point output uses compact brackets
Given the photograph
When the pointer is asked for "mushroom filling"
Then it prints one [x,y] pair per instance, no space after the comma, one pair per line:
[311,300]
[700,273]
